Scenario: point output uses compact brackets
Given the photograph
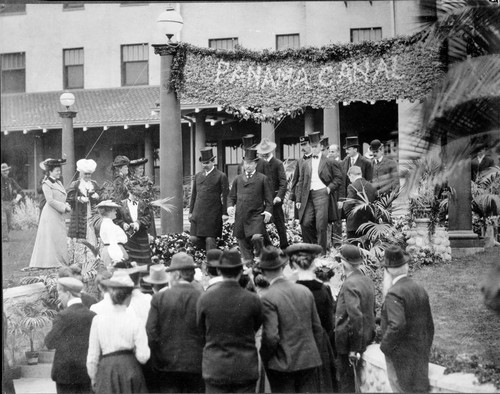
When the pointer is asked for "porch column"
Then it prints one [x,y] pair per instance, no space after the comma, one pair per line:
[68,146]
[200,133]
[148,153]
[308,121]
[221,156]
[331,125]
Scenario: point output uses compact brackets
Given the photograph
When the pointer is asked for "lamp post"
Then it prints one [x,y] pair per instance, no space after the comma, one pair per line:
[170,22]
[68,137]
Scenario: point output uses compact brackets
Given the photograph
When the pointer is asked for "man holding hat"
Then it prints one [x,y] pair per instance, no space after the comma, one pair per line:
[11,194]
[174,338]
[208,205]
[385,170]
[316,194]
[354,318]
[274,169]
[229,317]
[407,327]
[251,201]
[69,336]
[291,330]
[353,158]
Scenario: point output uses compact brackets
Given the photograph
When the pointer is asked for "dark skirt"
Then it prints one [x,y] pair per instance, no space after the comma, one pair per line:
[138,248]
[120,372]
[326,372]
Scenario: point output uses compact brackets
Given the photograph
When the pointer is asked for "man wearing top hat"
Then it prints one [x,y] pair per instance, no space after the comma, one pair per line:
[208,205]
[354,317]
[251,202]
[11,194]
[324,145]
[247,142]
[407,327]
[274,169]
[229,317]
[175,340]
[316,194]
[69,336]
[385,170]
[354,158]
[305,148]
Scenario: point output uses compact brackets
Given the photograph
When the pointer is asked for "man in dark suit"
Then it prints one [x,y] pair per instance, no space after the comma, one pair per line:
[320,178]
[354,158]
[305,149]
[354,317]
[480,163]
[175,340]
[251,201]
[229,316]
[208,205]
[407,327]
[274,169]
[70,337]
[291,330]
[360,191]
[385,170]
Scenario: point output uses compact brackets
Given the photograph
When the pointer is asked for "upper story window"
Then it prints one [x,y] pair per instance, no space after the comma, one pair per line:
[13,68]
[366,34]
[223,43]
[135,60]
[73,68]
[286,41]
[73,5]
[12,8]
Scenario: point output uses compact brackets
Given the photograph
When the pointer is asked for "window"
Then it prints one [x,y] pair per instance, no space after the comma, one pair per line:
[12,8]
[13,67]
[223,43]
[368,34]
[285,41]
[135,64]
[73,6]
[73,68]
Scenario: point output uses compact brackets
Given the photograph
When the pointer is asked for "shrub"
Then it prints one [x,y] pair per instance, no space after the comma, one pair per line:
[26,215]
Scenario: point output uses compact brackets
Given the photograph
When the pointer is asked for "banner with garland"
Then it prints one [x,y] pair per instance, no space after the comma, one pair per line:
[268,85]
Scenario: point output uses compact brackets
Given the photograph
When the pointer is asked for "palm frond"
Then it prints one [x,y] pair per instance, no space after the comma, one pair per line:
[93,249]
[163,203]
[375,230]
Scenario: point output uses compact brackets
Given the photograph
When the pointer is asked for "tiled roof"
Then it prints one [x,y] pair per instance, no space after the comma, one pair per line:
[94,107]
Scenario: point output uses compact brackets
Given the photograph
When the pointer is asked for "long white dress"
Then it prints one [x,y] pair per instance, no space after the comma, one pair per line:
[51,249]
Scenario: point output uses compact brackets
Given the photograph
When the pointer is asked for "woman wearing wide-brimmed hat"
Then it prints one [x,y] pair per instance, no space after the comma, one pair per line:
[112,236]
[118,343]
[51,248]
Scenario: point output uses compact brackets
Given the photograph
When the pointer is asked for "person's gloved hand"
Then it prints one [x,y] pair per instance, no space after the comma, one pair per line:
[354,358]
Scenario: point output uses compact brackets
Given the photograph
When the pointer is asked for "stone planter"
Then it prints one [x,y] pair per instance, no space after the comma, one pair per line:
[32,358]
[420,238]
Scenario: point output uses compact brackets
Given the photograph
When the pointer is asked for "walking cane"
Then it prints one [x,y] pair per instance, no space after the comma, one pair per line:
[354,364]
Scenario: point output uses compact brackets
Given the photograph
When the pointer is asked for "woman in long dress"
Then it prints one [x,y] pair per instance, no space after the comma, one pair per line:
[51,249]
[112,236]
[118,343]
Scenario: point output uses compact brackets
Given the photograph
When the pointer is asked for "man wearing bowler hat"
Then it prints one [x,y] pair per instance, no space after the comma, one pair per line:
[291,329]
[407,327]
[385,170]
[11,194]
[251,202]
[316,194]
[208,205]
[229,317]
[274,169]
[354,158]
[354,318]
[213,257]
[175,340]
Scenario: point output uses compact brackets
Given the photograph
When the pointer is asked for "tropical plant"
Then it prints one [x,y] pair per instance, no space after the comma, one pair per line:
[486,198]
[50,300]
[25,215]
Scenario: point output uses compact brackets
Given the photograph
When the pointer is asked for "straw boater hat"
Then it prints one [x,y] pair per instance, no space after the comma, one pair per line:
[272,258]
[181,261]
[206,154]
[47,163]
[119,279]
[5,167]
[107,204]
[87,166]
[157,275]
[351,142]
[303,247]
[351,254]
[72,285]
[303,140]
[230,258]
[121,161]
[266,146]
[137,162]
[395,257]
[251,154]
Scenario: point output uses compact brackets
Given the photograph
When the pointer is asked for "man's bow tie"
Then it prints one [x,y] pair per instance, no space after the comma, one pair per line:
[315,157]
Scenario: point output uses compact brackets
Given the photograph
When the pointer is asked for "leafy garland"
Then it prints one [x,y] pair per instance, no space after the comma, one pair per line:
[268,85]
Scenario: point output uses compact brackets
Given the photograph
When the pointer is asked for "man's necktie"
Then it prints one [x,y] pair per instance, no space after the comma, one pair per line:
[249,175]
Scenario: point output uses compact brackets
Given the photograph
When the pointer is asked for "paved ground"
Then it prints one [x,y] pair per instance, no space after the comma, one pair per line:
[35,385]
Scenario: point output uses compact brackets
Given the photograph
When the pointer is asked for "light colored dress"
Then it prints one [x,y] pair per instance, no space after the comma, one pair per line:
[51,249]
[113,238]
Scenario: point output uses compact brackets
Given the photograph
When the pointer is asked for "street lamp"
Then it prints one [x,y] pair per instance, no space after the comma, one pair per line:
[68,136]
[170,23]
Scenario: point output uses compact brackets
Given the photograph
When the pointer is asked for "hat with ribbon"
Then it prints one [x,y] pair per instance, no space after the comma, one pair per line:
[351,142]
[324,142]
[213,256]
[137,162]
[5,167]
[206,154]
[395,257]
[86,166]
[266,146]
[375,145]
[181,261]
[157,275]
[250,154]
[119,279]
[230,258]
[272,258]
[351,254]
[121,161]
[303,247]
[247,141]
[107,204]
[51,163]
[71,284]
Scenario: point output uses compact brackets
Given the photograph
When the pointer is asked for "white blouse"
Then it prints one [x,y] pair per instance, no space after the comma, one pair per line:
[112,235]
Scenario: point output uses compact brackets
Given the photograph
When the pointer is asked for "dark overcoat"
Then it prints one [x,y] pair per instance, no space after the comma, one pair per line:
[70,338]
[208,203]
[385,176]
[275,171]
[407,333]
[296,175]
[330,174]
[359,187]
[355,314]
[366,171]
[78,218]
[251,197]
